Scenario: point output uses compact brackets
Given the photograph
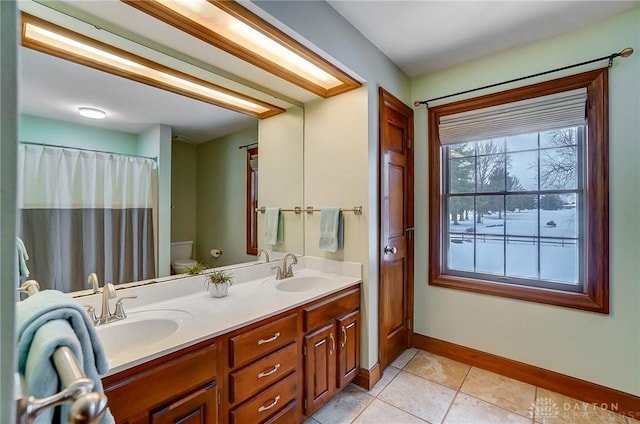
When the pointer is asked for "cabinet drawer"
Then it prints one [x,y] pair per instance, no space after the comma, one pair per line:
[267,403]
[327,310]
[254,377]
[154,386]
[288,415]
[254,343]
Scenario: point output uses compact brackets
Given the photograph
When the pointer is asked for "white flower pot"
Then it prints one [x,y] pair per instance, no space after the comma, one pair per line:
[218,290]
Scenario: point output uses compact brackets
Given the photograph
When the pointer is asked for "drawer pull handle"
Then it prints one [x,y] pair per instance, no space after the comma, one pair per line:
[271,405]
[344,337]
[333,344]
[269,340]
[271,371]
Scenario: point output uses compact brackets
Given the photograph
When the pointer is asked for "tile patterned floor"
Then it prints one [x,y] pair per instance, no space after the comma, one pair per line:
[420,387]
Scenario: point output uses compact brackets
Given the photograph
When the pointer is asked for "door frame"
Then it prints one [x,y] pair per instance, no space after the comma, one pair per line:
[386,98]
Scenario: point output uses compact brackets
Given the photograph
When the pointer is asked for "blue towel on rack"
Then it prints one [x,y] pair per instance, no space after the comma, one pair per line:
[46,321]
[23,256]
[331,229]
[273,226]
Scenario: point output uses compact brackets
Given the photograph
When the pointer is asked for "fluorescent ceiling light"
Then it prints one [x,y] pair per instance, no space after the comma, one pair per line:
[230,27]
[49,38]
[93,113]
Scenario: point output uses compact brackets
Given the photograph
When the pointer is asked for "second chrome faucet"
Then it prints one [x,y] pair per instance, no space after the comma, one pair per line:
[286,271]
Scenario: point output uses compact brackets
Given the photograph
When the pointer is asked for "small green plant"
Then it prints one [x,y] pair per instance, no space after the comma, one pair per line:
[219,277]
[194,269]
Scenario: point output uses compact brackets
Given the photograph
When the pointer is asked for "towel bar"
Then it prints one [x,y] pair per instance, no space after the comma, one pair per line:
[357,210]
[87,406]
[296,209]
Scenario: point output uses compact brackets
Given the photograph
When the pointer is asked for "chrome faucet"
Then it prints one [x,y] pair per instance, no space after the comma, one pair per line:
[286,271]
[92,280]
[266,255]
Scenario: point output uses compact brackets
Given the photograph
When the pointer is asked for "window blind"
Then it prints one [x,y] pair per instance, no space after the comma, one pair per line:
[555,111]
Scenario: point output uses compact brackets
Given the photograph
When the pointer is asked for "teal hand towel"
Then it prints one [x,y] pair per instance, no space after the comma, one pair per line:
[331,229]
[274,226]
[46,321]
[23,256]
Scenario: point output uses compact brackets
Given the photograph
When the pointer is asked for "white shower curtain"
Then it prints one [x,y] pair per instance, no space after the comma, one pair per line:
[84,211]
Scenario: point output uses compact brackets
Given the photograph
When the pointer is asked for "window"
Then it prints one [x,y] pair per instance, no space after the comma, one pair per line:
[519,193]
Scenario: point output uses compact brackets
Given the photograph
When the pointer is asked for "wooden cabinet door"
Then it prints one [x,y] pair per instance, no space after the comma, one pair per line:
[320,367]
[348,348]
[200,407]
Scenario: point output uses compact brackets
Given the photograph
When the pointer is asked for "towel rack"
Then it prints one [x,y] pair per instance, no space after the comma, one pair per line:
[357,210]
[296,209]
[87,406]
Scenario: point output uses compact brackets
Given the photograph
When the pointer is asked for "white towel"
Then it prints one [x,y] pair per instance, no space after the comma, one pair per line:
[331,229]
[273,226]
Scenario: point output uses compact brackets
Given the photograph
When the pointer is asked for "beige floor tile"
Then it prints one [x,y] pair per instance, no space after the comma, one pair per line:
[554,408]
[436,368]
[379,412]
[504,392]
[404,357]
[425,399]
[344,407]
[469,410]
[387,376]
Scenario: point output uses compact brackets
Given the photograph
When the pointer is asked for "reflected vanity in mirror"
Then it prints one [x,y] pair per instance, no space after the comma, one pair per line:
[197,184]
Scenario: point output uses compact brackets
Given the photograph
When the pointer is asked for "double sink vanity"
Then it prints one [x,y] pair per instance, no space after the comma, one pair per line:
[272,351]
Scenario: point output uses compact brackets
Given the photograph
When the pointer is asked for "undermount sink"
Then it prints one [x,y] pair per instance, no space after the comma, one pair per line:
[144,328]
[301,283]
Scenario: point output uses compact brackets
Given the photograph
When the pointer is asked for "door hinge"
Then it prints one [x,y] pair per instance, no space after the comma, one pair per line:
[304,350]
[409,323]
[305,406]
[409,143]
[219,400]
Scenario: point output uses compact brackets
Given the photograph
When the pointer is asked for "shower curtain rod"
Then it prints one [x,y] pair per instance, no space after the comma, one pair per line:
[32,143]
[623,53]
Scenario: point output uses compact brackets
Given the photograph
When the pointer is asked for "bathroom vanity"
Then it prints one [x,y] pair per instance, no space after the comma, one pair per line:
[273,351]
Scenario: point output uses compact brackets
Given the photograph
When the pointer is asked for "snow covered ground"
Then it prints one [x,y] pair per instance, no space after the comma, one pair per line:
[517,238]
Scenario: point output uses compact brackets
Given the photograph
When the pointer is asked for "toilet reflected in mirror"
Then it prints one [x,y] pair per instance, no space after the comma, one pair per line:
[181,252]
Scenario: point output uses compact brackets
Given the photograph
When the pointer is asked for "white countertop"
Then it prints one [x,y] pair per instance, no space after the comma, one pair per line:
[198,316]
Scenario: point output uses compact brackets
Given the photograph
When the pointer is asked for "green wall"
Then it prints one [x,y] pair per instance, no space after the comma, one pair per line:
[183,192]
[603,349]
[221,187]
[36,129]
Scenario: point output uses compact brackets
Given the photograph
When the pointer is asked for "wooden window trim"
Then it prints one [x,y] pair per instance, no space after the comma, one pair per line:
[595,296]
[251,229]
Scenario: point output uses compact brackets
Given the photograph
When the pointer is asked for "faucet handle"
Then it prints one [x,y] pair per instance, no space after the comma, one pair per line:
[119,312]
[278,272]
[91,311]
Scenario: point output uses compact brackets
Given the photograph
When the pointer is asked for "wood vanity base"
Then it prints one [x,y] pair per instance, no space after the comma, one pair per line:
[278,370]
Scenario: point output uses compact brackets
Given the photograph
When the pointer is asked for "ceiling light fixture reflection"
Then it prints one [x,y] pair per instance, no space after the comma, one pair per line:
[93,113]
[52,39]
[229,26]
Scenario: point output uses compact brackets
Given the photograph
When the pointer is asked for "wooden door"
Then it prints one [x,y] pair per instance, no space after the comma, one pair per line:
[348,348]
[395,308]
[320,367]
[199,407]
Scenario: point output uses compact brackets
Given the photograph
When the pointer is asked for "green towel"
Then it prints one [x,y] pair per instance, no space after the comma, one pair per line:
[331,230]
[273,226]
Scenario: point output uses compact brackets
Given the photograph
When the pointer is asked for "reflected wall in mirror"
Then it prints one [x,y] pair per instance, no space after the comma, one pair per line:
[201,183]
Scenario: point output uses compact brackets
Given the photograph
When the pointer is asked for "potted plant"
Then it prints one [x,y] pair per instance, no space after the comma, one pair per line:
[195,269]
[218,283]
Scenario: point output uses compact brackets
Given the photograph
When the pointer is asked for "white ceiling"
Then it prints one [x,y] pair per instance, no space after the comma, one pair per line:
[425,35]
[419,36]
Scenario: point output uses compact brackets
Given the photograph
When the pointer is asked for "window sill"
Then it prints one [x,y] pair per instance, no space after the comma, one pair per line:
[597,302]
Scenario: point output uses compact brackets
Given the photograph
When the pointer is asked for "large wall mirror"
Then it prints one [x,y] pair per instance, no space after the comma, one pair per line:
[197,182]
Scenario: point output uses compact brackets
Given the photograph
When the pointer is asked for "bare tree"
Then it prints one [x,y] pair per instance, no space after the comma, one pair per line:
[558,166]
